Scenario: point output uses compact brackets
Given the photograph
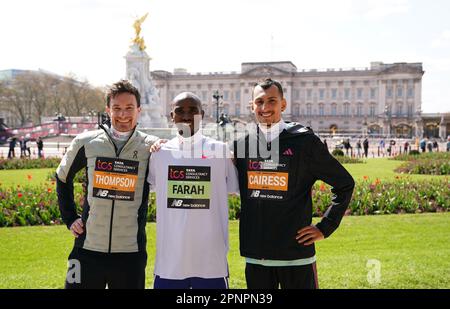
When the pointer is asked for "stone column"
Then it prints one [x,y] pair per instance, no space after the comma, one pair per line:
[138,72]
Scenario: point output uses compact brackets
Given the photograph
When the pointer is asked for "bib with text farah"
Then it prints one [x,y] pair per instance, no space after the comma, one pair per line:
[188,187]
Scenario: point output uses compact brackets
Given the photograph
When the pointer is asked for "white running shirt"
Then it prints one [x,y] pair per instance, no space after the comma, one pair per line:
[192,178]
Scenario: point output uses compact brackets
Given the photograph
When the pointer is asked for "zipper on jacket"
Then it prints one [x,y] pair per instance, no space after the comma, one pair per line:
[113,201]
[110,226]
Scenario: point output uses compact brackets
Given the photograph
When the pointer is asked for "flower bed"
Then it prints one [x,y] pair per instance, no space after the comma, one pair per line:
[372,197]
[429,163]
[425,167]
[21,206]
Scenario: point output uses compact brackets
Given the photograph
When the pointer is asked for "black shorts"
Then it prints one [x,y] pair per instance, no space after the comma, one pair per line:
[96,270]
[285,277]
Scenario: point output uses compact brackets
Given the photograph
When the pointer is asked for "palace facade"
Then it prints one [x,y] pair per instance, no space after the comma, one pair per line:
[384,99]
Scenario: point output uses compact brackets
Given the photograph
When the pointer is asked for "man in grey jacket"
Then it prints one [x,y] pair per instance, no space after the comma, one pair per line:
[110,239]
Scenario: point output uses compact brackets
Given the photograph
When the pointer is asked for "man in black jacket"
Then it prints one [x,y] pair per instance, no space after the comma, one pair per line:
[278,163]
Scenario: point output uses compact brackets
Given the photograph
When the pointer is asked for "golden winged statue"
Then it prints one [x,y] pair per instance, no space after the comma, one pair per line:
[137,27]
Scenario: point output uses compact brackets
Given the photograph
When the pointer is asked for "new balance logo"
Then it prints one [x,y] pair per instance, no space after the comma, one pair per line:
[255,193]
[288,152]
[177,203]
[102,193]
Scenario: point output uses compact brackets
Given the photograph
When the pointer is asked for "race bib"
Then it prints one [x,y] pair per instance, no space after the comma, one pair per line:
[267,180]
[188,187]
[115,179]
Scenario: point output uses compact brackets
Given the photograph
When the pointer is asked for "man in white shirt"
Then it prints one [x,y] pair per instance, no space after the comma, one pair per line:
[192,176]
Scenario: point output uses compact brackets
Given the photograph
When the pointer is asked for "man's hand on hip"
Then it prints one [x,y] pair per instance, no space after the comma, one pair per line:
[77,227]
[308,235]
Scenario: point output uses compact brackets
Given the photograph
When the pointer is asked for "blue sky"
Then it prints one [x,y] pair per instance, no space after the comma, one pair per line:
[91,37]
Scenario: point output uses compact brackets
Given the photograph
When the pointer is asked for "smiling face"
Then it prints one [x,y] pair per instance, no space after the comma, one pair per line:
[187,113]
[268,105]
[123,111]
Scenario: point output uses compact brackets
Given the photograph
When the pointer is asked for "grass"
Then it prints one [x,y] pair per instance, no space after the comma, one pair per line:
[374,168]
[412,250]
[20,177]
[383,169]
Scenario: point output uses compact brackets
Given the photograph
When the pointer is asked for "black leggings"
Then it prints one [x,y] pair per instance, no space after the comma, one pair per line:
[285,277]
[96,270]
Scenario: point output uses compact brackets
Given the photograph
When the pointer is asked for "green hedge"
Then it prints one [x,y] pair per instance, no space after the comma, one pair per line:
[348,160]
[422,156]
[19,164]
[337,153]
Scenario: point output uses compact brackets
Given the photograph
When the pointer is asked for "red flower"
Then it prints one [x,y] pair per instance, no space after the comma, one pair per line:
[366,177]
[49,190]
[29,177]
[19,195]
[322,187]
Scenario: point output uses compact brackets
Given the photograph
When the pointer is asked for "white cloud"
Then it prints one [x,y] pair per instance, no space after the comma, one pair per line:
[442,40]
[378,9]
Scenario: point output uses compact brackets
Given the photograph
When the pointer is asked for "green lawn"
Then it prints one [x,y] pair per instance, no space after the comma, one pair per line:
[374,168]
[20,177]
[413,251]
[383,169]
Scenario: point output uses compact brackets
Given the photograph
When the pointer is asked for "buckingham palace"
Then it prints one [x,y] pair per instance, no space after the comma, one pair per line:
[383,99]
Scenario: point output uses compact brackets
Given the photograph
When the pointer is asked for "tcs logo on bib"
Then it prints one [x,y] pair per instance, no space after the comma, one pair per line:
[104,166]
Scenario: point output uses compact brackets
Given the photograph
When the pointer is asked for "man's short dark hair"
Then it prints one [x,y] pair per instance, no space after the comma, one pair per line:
[122,86]
[267,83]
[187,96]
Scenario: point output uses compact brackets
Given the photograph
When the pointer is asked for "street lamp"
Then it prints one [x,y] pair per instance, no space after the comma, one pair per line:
[217,97]
[388,119]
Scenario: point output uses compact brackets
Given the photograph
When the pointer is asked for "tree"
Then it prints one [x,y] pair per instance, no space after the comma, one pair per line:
[32,95]
[80,97]
[15,98]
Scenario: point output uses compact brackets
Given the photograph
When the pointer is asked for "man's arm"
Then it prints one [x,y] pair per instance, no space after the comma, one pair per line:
[73,161]
[151,178]
[326,168]
[232,174]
